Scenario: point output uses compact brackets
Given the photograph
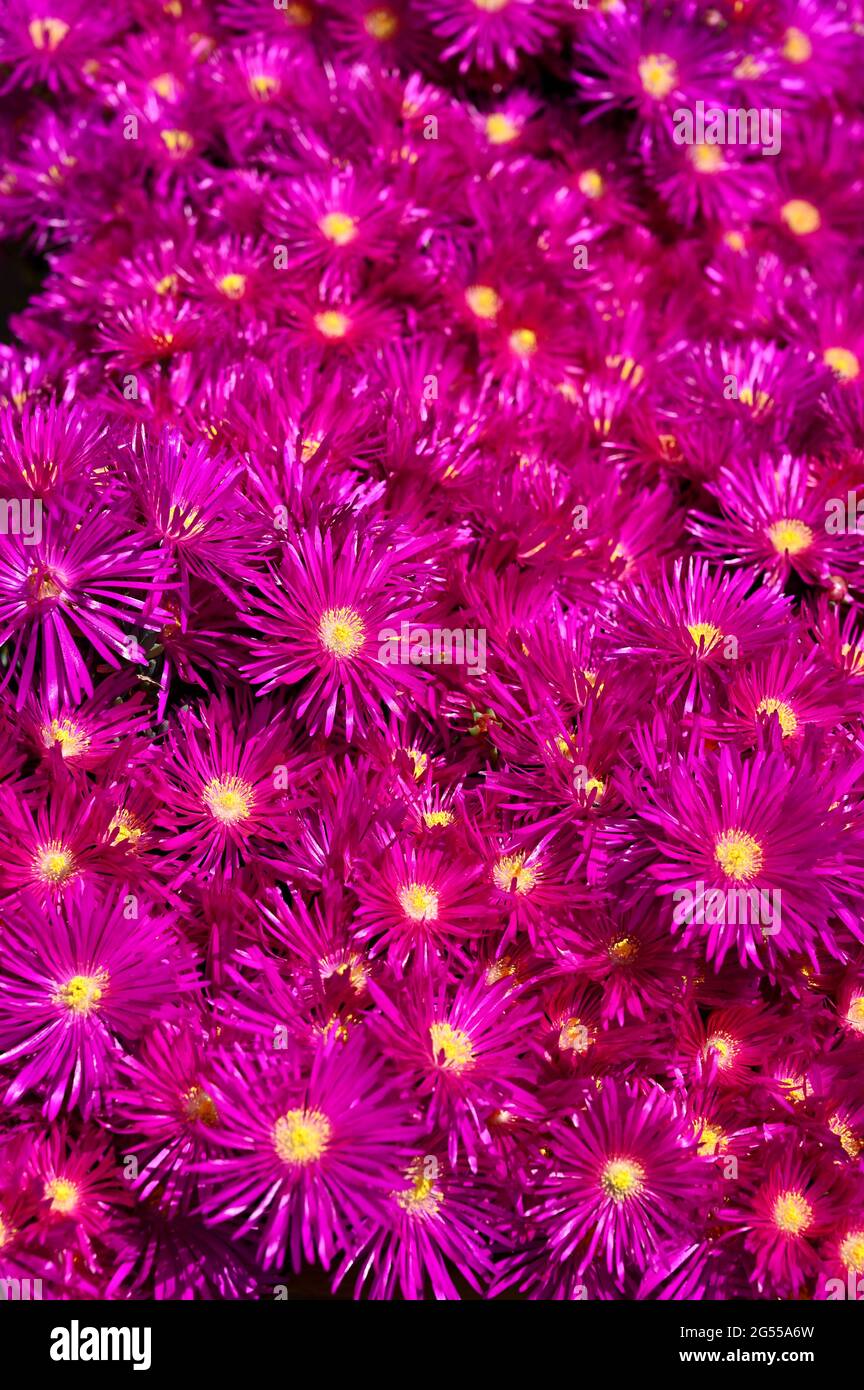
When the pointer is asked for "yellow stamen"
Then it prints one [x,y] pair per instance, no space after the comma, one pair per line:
[483,301]
[797,47]
[801,217]
[523,341]
[842,362]
[724,1047]
[849,1140]
[419,902]
[500,129]
[573,1037]
[232,285]
[54,863]
[490,6]
[299,14]
[658,74]
[82,993]
[624,949]
[422,1198]
[739,855]
[166,86]
[705,636]
[793,1214]
[433,819]
[622,1179]
[332,324]
[381,24]
[711,1139]
[852,1252]
[70,736]
[790,536]
[338,227]
[341,632]
[263,86]
[229,799]
[62,1194]
[198,1105]
[169,284]
[708,159]
[451,1047]
[512,875]
[855,1014]
[47,33]
[501,969]
[178,143]
[125,828]
[591,183]
[784,712]
[301,1136]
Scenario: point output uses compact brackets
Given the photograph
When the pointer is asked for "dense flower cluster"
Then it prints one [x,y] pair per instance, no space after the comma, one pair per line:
[432,648]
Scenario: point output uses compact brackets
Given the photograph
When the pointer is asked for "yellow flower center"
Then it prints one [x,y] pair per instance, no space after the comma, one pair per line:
[490,6]
[738,854]
[229,799]
[47,33]
[169,284]
[658,74]
[70,736]
[622,1179]
[500,129]
[591,183]
[793,1214]
[198,1105]
[724,1047]
[338,227]
[852,1252]
[332,324]
[381,24]
[624,949]
[82,993]
[849,1140]
[451,1047]
[62,1194]
[420,761]
[801,217]
[573,1037]
[178,143]
[783,711]
[705,636]
[501,969]
[54,863]
[843,362]
[419,902]
[233,285]
[341,632]
[422,1198]
[512,875]
[263,86]
[708,159]
[856,665]
[790,536]
[299,14]
[125,828]
[433,819]
[711,1138]
[301,1136]
[855,1014]
[523,341]
[483,301]
[797,47]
